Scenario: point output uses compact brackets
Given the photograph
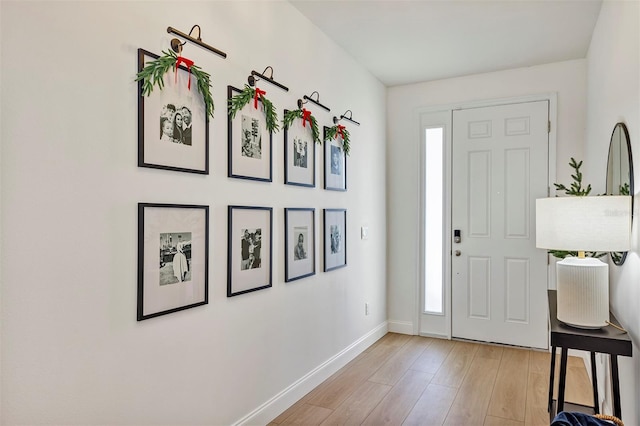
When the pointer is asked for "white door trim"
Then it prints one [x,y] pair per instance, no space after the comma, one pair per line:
[420,115]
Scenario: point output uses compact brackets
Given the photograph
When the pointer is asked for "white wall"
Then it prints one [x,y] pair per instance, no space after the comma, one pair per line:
[567,79]
[72,351]
[613,94]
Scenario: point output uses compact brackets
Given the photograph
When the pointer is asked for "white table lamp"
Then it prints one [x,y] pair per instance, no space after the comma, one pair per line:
[600,223]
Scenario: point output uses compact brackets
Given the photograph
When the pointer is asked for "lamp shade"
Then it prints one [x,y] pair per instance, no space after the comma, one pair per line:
[600,223]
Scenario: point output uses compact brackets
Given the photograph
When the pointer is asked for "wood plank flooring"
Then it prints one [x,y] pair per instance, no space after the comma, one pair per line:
[412,380]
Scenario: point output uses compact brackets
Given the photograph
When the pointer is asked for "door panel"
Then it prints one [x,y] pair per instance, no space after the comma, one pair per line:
[499,280]
[479,194]
[479,290]
[517,196]
[517,288]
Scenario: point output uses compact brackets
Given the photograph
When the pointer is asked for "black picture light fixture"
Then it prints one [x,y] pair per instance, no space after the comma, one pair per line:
[256,76]
[344,116]
[177,46]
[310,99]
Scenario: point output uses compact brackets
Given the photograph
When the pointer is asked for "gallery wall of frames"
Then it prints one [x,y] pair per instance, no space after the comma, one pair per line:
[173,135]
[119,206]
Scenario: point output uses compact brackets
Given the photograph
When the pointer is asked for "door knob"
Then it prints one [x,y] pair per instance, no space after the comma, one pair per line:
[458,253]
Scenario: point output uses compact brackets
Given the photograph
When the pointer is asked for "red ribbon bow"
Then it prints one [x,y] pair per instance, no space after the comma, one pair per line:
[306,116]
[340,129]
[188,63]
[256,96]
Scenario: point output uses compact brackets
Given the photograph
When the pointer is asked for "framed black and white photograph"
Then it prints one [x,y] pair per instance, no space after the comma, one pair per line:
[299,154]
[173,126]
[299,243]
[249,142]
[249,249]
[173,258]
[335,239]
[335,165]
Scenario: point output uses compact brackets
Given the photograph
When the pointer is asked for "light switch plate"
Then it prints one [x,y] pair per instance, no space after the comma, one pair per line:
[364,232]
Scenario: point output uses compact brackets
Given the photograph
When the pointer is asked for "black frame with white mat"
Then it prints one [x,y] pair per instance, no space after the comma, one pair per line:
[173,258]
[335,238]
[299,243]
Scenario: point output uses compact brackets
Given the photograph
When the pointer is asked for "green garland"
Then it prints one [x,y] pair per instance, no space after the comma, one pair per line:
[289,116]
[153,74]
[332,133]
[237,102]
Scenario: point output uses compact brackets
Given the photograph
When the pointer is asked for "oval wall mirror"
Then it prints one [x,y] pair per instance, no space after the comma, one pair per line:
[620,172]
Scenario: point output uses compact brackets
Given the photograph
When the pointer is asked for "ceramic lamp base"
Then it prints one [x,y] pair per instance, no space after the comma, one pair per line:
[583,292]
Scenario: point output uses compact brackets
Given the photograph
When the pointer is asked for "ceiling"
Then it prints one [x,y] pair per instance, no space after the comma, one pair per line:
[402,42]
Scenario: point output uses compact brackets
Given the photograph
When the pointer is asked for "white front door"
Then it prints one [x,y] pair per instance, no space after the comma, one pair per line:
[499,278]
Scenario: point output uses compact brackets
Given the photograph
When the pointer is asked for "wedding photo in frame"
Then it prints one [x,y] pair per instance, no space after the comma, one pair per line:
[173,125]
[249,249]
[335,164]
[249,142]
[335,239]
[299,243]
[299,154]
[173,258]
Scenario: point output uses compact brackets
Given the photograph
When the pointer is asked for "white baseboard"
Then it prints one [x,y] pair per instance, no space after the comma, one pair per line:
[280,402]
[436,336]
[402,327]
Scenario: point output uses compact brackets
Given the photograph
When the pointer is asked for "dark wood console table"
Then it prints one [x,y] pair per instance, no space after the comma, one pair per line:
[608,340]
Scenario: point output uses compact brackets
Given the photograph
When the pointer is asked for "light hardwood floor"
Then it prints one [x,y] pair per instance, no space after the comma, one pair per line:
[412,380]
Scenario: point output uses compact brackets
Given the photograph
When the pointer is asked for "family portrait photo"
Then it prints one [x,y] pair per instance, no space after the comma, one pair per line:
[251,137]
[300,153]
[175,124]
[251,244]
[336,160]
[300,249]
[175,257]
[299,243]
[335,239]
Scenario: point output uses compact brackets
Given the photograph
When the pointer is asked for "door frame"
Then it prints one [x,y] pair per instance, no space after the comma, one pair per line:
[441,324]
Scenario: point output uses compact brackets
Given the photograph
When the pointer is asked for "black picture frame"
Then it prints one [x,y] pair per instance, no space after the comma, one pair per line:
[299,243]
[335,164]
[179,278]
[299,154]
[250,243]
[335,238]
[162,142]
[247,157]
